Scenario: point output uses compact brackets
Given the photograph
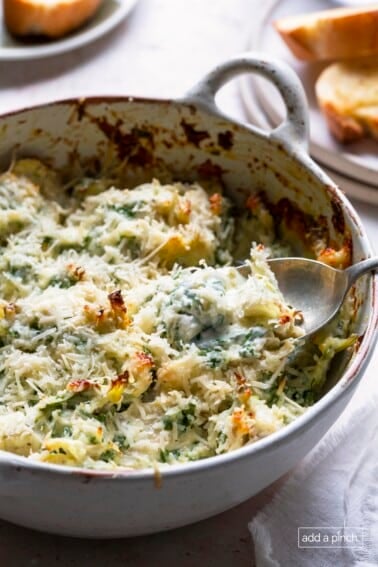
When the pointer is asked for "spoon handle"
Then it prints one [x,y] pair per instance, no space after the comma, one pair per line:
[357,270]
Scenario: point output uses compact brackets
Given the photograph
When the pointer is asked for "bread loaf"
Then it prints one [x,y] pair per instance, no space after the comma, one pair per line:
[52,18]
[347,93]
[331,34]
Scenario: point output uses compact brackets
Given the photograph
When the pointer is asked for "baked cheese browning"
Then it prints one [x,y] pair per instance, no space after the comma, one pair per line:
[127,337]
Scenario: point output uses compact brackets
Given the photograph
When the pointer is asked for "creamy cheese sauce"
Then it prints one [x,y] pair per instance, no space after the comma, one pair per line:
[127,337]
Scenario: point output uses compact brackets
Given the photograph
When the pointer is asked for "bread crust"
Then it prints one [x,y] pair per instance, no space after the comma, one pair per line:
[344,128]
[331,34]
[56,19]
[347,94]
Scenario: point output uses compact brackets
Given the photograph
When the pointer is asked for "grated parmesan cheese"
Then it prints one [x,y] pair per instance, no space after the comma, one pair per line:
[128,339]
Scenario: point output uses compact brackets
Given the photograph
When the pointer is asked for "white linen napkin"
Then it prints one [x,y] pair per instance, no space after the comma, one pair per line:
[334,491]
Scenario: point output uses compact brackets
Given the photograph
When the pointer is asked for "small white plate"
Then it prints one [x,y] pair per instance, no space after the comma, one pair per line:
[108,16]
[257,116]
[358,160]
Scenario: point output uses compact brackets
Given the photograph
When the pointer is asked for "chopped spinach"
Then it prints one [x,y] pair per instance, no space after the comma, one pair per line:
[63,281]
[121,441]
[101,417]
[107,455]
[163,456]
[129,210]
[248,349]
[168,422]
[20,272]
[46,242]
[184,418]
[214,356]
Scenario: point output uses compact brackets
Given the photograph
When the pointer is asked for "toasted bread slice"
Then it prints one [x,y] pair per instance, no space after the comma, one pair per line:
[52,18]
[347,93]
[331,34]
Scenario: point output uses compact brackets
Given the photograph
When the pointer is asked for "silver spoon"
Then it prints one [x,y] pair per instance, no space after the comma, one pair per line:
[315,289]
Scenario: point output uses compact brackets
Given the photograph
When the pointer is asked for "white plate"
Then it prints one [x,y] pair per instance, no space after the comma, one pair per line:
[108,16]
[257,116]
[358,160]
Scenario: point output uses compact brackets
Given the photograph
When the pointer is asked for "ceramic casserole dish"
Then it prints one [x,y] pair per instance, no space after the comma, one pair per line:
[187,139]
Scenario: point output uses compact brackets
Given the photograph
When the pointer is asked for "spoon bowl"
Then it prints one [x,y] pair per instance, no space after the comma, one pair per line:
[313,288]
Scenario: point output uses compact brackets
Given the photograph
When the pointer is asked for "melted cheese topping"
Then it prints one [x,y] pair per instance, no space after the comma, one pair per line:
[127,339]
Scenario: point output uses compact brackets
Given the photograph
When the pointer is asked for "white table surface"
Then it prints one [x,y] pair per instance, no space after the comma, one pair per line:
[161,50]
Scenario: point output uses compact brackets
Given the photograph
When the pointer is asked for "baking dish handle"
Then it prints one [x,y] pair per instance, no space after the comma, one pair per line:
[293,131]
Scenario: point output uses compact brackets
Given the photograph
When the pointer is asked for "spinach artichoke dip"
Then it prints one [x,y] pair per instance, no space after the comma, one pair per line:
[127,337]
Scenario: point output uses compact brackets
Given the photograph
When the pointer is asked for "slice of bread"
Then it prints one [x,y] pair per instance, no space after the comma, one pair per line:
[52,18]
[347,93]
[331,34]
